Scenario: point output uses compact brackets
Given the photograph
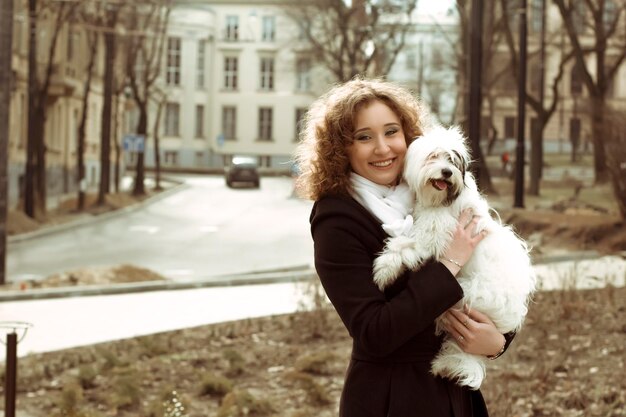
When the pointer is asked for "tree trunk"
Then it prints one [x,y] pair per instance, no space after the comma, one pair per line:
[31,160]
[536,154]
[157,146]
[116,142]
[6,33]
[105,138]
[142,130]
[80,155]
[598,108]
[614,134]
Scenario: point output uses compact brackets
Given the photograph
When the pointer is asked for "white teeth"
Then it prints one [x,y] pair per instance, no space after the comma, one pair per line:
[383,163]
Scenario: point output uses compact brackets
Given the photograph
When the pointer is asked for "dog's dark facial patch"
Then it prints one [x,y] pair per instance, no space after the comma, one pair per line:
[460,163]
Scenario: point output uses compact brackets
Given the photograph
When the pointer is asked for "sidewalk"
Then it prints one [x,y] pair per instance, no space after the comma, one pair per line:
[56,324]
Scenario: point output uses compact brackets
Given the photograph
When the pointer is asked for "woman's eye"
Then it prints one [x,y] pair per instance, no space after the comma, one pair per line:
[362,137]
[391,132]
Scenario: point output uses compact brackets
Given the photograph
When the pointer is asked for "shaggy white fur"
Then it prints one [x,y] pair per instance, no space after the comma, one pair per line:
[498,280]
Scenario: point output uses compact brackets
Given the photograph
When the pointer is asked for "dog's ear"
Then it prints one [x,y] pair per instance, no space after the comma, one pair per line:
[461,163]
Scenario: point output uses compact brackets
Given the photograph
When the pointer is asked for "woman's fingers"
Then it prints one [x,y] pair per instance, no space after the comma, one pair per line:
[459,325]
[478,316]
[465,217]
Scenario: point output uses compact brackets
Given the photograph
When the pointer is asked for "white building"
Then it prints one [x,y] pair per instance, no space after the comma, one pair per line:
[235,84]
[427,63]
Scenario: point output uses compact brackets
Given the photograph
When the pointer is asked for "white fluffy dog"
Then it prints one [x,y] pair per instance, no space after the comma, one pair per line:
[498,280]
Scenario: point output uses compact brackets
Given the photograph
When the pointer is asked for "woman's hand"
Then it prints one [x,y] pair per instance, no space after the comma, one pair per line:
[463,243]
[473,331]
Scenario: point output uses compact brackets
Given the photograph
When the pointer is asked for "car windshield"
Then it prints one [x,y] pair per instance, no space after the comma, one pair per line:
[244,160]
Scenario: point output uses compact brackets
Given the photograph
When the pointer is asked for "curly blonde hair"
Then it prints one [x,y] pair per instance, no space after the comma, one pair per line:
[328,130]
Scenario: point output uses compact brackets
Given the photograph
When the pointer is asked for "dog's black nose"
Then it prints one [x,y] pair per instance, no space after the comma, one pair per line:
[446,172]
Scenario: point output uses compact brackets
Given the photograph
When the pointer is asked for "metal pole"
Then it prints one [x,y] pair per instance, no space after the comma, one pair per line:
[521,110]
[475,83]
[6,51]
[10,380]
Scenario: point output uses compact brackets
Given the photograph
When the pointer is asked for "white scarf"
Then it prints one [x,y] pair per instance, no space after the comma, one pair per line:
[390,205]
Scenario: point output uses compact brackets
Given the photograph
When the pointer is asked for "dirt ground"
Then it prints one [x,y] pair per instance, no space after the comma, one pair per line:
[567,361]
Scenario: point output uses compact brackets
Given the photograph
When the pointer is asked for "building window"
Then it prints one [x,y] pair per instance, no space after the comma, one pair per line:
[575,129]
[173,61]
[170,158]
[229,122]
[303,74]
[200,66]
[578,16]
[230,73]
[72,44]
[576,80]
[437,57]
[535,76]
[265,124]
[267,73]
[411,62]
[200,159]
[172,119]
[511,12]
[199,121]
[509,127]
[232,28]
[269,29]
[300,113]
[609,14]
[536,15]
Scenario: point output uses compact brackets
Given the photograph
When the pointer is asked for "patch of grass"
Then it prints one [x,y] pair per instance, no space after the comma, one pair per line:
[87,376]
[127,391]
[241,403]
[317,363]
[215,385]
[236,361]
[316,393]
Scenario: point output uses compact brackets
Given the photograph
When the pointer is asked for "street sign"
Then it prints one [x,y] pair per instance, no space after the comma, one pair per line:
[134,143]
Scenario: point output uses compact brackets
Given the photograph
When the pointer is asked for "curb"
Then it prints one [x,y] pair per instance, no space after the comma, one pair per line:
[294,275]
[91,219]
[147,286]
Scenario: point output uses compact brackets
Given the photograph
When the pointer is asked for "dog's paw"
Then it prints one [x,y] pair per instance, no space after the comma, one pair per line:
[463,368]
[387,267]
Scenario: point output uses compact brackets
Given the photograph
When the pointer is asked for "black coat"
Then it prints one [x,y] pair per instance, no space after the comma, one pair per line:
[393,332]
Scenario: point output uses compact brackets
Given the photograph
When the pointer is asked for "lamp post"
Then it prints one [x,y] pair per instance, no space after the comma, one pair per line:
[521,109]
[475,82]
[10,378]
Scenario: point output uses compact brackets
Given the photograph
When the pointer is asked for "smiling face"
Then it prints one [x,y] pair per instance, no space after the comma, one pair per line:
[379,146]
[436,167]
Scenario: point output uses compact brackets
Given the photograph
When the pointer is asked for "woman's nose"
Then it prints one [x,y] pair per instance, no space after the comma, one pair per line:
[381,146]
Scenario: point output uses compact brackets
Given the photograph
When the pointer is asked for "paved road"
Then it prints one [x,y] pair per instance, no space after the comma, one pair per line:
[202,231]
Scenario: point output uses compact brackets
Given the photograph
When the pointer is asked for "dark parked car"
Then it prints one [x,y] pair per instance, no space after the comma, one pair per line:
[243,169]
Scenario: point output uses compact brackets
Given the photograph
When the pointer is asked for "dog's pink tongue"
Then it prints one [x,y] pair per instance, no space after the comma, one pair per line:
[442,185]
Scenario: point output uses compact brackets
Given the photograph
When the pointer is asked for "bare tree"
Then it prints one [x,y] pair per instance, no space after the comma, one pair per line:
[38,91]
[614,132]
[148,24]
[494,68]
[109,21]
[599,25]
[363,37]
[92,44]
[544,112]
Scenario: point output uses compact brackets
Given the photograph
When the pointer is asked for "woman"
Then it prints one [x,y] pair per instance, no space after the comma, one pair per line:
[350,160]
